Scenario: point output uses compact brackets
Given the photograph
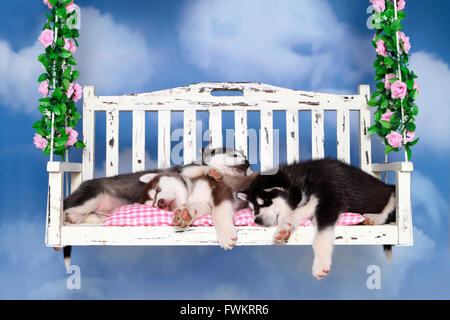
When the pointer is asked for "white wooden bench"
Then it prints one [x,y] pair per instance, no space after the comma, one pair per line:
[198,97]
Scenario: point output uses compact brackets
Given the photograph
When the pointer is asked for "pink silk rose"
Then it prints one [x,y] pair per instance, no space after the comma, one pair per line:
[43,88]
[387,83]
[379,5]
[46,37]
[77,92]
[70,45]
[39,141]
[69,92]
[387,115]
[405,41]
[409,136]
[70,7]
[400,4]
[394,139]
[381,49]
[398,90]
[48,4]
[73,135]
[416,86]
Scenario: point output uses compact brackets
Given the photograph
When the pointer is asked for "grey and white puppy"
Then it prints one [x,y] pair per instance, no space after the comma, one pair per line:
[96,199]
[196,192]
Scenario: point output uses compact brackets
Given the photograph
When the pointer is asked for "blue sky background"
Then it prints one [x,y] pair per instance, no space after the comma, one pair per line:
[138,46]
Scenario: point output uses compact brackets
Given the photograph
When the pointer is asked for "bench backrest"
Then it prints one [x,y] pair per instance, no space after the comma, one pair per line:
[201,97]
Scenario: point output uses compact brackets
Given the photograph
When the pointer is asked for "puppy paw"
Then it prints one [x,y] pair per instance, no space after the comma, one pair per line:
[374,219]
[283,233]
[227,238]
[320,268]
[215,174]
[183,217]
[74,217]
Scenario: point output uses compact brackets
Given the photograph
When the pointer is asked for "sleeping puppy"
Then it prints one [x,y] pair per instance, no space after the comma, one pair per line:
[96,199]
[198,195]
[321,190]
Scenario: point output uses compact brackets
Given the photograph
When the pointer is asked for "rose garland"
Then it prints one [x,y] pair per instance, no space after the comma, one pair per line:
[396,87]
[57,84]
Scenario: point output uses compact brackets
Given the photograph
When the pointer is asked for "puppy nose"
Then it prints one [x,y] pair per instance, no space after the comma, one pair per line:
[161,204]
[259,220]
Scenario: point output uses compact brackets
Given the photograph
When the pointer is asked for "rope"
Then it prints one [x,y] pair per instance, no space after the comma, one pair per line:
[400,75]
[54,86]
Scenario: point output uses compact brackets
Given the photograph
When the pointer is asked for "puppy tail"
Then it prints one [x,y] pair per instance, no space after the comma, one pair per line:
[67,250]
[387,249]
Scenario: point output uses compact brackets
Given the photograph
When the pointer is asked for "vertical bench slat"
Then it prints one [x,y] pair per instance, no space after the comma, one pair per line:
[164,139]
[88,133]
[343,134]
[112,143]
[365,152]
[54,209]
[240,131]
[189,138]
[403,208]
[317,134]
[215,128]
[266,140]
[138,158]
[292,144]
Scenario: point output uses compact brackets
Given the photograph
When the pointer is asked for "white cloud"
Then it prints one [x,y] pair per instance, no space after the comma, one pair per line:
[111,56]
[434,112]
[263,40]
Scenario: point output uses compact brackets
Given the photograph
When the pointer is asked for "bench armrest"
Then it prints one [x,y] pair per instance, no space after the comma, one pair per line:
[393,166]
[57,166]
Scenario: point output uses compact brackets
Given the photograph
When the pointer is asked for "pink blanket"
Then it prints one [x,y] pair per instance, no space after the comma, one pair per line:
[144,215]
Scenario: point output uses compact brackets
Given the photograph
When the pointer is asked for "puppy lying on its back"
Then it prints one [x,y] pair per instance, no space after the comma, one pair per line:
[191,197]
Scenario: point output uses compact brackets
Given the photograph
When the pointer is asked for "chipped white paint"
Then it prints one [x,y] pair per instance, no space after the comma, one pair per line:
[98,235]
[292,141]
[317,137]
[163,139]
[215,127]
[365,147]
[266,140]
[89,100]
[189,137]
[197,97]
[138,158]
[240,131]
[112,143]
[343,134]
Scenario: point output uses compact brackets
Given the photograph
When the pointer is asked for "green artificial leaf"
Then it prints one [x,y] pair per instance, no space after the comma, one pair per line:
[385,124]
[414,94]
[43,77]
[408,151]
[414,110]
[388,149]
[388,61]
[65,84]
[410,84]
[61,12]
[79,144]
[413,142]
[65,54]
[401,15]
[57,94]
[75,75]
[71,60]
[60,42]
[54,3]
[380,85]
[373,129]
[66,2]
[373,102]
[396,25]
[410,126]
[45,102]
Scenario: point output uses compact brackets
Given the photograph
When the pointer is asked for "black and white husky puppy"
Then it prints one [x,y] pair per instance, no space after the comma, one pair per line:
[196,192]
[321,190]
[96,199]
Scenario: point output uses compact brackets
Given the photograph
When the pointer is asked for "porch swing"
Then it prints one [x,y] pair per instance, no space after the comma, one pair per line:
[200,97]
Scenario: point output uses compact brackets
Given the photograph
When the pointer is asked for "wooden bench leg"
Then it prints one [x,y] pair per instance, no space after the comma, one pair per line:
[54,209]
[404,216]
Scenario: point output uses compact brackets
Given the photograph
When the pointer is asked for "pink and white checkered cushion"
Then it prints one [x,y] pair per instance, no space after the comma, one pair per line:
[144,215]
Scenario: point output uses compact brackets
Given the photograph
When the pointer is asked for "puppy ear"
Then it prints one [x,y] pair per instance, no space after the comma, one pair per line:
[241,195]
[146,178]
